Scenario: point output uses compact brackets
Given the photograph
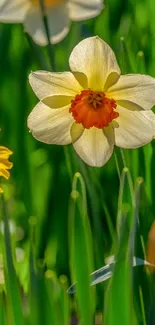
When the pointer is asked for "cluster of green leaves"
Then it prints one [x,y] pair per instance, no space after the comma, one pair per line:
[68,217]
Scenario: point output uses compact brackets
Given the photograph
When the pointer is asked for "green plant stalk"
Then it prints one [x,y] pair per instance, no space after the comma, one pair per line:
[50,46]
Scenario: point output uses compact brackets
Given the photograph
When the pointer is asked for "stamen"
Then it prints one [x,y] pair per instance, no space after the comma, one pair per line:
[93,108]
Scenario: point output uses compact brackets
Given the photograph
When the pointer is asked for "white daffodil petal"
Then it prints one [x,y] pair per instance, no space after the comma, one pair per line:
[84,9]
[34,26]
[151,117]
[135,129]
[2,2]
[49,125]
[58,23]
[135,89]
[13,11]
[45,84]
[95,146]
[96,60]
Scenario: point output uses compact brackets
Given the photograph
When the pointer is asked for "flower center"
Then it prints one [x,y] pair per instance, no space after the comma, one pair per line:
[48,3]
[93,108]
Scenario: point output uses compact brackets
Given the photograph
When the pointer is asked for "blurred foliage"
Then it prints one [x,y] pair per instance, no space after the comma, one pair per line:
[54,232]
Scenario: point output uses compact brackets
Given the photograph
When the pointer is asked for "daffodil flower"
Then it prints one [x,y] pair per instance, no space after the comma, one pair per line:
[59,14]
[93,107]
[5,164]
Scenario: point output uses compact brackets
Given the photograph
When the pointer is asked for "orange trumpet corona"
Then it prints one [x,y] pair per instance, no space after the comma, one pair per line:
[48,3]
[93,108]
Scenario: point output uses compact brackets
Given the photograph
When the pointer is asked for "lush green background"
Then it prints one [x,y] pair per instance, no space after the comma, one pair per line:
[67,228]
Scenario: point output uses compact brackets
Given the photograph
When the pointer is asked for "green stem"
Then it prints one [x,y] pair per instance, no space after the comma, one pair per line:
[117,165]
[37,53]
[50,47]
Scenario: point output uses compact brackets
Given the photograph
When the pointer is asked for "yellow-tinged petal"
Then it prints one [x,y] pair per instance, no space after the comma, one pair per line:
[82,79]
[13,11]
[58,22]
[97,61]
[95,146]
[46,84]
[76,131]
[135,128]
[51,125]
[57,101]
[5,152]
[3,171]
[134,90]
[5,164]
[84,9]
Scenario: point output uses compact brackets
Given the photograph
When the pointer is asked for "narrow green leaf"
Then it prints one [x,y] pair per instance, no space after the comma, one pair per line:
[80,242]
[12,287]
[119,307]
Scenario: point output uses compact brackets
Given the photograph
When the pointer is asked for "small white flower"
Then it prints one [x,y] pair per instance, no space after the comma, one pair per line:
[93,107]
[59,14]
